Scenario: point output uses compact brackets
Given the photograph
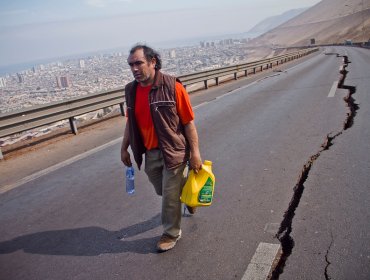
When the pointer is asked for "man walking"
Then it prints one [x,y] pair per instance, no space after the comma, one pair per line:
[160,125]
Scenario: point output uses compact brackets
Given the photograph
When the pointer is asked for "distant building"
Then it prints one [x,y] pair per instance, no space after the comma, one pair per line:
[2,82]
[20,78]
[202,44]
[82,63]
[63,82]
[226,42]
[172,54]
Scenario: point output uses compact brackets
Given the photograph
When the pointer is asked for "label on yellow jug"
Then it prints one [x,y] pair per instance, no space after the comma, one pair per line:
[205,194]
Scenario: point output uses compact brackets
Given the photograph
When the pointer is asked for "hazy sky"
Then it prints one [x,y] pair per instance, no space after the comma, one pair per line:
[37,29]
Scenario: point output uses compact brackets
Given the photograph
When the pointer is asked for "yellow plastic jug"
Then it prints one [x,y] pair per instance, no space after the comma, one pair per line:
[199,188]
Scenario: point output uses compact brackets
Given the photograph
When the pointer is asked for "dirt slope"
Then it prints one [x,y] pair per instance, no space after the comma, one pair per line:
[329,21]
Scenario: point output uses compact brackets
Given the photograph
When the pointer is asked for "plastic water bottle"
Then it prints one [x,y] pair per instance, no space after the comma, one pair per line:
[130,180]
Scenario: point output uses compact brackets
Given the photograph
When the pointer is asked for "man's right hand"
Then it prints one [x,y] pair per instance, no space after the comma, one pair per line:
[126,158]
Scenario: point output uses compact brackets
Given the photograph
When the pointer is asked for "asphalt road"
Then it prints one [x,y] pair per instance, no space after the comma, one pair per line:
[331,228]
[76,222]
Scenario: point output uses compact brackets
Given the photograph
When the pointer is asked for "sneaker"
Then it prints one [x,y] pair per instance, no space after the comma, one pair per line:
[167,242]
[191,210]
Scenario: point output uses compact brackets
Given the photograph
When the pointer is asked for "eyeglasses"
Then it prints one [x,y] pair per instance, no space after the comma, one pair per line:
[136,63]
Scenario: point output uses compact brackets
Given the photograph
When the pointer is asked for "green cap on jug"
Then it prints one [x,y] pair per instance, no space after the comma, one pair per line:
[208,162]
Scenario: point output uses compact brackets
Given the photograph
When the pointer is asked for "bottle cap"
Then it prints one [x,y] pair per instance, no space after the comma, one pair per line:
[208,162]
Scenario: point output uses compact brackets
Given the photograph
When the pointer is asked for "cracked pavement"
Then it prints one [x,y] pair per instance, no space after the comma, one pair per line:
[326,226]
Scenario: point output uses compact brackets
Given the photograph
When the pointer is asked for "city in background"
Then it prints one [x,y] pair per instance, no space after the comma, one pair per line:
[65,79]
[61,80]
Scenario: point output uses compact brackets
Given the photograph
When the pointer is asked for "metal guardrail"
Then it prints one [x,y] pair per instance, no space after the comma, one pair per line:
[26,119]
[36,116]
[260,65]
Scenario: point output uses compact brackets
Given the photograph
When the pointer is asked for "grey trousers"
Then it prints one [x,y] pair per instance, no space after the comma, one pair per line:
[168,184]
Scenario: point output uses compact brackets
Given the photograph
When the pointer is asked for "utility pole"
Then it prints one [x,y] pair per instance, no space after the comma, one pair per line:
[363,23]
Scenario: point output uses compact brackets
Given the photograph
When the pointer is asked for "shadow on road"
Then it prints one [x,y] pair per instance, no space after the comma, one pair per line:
[88,241]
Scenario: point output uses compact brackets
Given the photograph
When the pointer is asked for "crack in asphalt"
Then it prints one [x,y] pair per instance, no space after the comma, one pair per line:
[285,229]
[327,277]
[353,106]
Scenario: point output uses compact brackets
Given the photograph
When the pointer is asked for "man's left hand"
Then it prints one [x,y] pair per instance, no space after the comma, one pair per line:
[195,162]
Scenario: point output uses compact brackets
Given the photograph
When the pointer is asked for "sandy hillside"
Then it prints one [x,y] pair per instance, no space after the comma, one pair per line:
[329,21]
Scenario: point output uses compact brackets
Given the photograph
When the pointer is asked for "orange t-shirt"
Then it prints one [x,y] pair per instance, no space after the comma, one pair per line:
[144,118]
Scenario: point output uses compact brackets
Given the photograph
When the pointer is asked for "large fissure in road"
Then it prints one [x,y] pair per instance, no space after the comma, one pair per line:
[285,229]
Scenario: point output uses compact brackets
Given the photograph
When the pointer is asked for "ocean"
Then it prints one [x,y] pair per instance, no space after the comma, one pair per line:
[14,68]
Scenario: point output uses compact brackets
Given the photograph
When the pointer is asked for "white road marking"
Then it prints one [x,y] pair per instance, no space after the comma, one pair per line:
[333,89]
[57,166]
[272,228]
[298,65]
[260,266]
[248,85]
[200,105]
[226,94]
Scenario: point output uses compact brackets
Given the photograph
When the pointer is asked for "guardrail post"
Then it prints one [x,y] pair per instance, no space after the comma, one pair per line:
[254,70]
[122,109]
[206,84]
[1,154]
[246,72]
[72,123]
[235,76]
[217,83]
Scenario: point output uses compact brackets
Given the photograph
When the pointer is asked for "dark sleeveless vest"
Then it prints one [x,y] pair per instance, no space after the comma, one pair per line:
[167,124]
